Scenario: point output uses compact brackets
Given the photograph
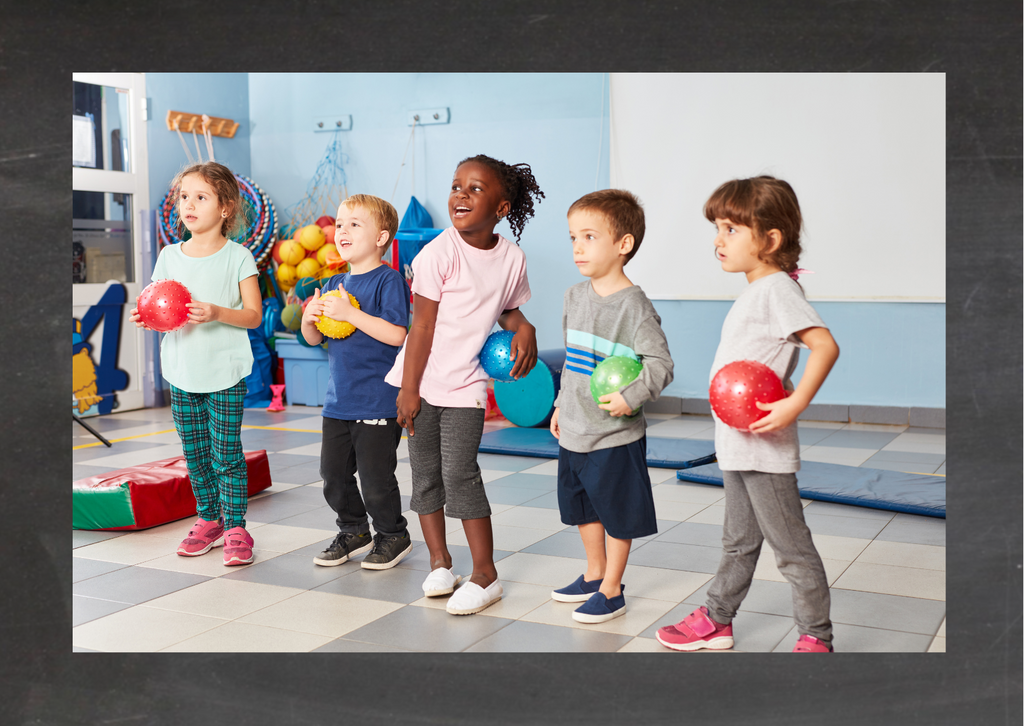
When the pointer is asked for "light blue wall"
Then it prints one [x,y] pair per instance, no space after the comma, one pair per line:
[553,122]
[893,354]
[224,95]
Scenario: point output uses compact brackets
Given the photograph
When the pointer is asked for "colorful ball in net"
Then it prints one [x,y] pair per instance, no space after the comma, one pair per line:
[309,267]
[336,328]
[306,285]
[312,237]
[736,389]
[496,355]
[286,276]
[291,316]
[163,305]
[613,373]
[291,252]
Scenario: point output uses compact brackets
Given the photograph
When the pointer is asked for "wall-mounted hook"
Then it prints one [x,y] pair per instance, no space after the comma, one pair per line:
[338,122]
[429,116]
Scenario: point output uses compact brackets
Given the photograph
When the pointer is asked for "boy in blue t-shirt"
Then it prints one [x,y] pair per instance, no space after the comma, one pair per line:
[360,431]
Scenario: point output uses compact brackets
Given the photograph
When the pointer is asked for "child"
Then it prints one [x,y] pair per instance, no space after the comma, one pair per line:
[360,429]
[206,361]
[758,222]
[603,484]
[463,282]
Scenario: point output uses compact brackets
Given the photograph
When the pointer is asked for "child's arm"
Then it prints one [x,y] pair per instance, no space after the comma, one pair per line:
[785,411]
[250,316]
[524,342]
[417,351]
[651,345]
[314,309]
[342,310]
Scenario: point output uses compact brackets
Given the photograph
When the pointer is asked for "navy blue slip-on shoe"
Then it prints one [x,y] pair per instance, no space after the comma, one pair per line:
[578,591]
[598,608]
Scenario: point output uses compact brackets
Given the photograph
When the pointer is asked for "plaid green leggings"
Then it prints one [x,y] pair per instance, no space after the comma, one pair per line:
[209,425]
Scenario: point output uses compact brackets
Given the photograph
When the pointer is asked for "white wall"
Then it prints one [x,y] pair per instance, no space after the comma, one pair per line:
[865,154]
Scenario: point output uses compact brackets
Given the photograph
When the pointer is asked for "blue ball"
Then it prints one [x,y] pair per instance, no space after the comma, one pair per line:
[496,355]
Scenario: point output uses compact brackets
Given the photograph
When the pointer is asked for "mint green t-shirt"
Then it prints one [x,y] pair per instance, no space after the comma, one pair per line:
[213,356]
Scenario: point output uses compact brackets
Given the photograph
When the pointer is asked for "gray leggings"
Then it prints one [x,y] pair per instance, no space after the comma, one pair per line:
[758,507]
[442,453]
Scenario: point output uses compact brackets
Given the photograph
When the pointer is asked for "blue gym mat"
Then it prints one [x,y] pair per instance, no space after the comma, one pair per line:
[894,491]
[661,453]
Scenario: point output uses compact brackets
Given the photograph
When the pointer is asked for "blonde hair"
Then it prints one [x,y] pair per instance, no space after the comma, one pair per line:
[383,213]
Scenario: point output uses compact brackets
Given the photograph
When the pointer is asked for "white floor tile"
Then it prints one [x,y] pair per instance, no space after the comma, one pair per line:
[321,613]
[141,629]
[902,554]
[890,580]
[248,638]
[228,599]
[641,613]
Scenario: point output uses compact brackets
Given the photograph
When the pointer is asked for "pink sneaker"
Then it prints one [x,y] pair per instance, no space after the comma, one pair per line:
[237,547]
[203,537]
[697,630]
[810,644]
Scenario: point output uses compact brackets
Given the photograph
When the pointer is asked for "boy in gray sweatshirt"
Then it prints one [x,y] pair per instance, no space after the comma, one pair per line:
[603,484]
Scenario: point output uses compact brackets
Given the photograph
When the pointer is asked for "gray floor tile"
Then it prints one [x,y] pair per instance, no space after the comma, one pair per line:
[83,569]
[274,509]
[862,527]
[547,500]
[664,525]
[525,637]
[317,518]
[290,570]
[301,474]
[671,556]
[810,436]
[941,471]
[81,456]
[856,439]
[501,462]
[394,585]
[84,471]
[835,509]
[83,537]
[764,596]
[344,645]
[910,467]
[136,585]
[261,417]
[857,639]
[520,480]
[312,495]
[462,559]
[887,612]
[84,609]
[515,495]
[560,544]
[427,629]
[692,533]
[896,456]
[109,424]
[925,430]
[277,440]
[286,461]
[915,530]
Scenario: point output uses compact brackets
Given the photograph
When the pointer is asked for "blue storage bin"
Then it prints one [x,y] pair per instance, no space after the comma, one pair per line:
[305,372]
[410,242]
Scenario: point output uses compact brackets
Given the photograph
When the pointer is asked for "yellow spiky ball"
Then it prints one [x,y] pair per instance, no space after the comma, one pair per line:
[335,328]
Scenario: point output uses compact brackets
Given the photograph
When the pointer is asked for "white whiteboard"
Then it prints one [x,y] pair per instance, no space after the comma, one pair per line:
[865,154]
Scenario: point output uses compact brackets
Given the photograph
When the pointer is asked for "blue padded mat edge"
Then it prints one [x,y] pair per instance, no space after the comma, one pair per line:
[875,488]
[661,453]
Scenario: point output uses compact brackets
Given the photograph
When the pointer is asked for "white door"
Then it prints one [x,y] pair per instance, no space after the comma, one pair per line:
[110,183]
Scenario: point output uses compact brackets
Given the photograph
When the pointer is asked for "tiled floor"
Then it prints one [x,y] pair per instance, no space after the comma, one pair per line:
[133,593]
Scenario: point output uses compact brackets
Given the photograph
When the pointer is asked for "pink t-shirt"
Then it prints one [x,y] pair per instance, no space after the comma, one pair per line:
[472,288]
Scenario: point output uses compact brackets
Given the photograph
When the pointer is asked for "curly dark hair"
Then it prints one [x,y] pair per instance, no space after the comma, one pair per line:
[519,186]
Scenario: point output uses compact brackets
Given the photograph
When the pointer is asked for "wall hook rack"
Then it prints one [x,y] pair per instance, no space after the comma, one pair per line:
[188,122]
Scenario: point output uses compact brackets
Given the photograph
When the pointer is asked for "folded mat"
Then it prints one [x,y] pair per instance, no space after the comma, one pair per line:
[876,488]
[661,453]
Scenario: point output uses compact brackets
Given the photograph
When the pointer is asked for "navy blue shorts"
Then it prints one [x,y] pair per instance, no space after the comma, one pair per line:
[610,486]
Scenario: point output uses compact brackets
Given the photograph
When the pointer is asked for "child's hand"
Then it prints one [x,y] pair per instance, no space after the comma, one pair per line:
[524,350]
[314,309]
[782,414]
[338,308]
[615,404]
[200,312]
[555,431]
[408,408]
[133,317]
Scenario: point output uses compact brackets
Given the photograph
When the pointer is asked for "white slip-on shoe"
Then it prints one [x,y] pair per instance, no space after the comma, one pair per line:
[471,598]
[440,582]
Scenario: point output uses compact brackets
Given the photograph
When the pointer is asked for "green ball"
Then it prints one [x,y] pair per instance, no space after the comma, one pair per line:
[613,373]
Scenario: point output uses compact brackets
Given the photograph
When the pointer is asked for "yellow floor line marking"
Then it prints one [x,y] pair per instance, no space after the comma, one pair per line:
[126,438]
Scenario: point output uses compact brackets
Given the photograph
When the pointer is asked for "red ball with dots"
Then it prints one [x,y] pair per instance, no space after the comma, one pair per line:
[736,389]
[163,305]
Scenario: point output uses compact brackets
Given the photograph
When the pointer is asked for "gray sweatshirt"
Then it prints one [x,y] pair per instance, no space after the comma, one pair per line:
[624,323]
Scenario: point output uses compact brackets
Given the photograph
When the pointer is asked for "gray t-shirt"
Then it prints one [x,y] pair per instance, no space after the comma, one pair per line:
[761,326]
[624,323]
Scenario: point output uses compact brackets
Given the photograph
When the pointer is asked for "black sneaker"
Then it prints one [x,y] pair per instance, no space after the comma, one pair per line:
[387,551]
[344,546]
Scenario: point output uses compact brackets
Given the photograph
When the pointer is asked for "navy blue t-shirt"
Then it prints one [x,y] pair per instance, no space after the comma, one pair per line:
[356,389]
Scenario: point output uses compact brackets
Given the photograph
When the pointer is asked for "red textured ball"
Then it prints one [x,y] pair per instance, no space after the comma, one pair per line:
[737,387]
[162,305]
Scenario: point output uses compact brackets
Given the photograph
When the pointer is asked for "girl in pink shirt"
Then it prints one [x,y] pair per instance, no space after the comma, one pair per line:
[464,281]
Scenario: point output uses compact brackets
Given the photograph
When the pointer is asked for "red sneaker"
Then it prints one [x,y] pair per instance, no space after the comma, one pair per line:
[697,630]
[810,644]
[237,547]
[203,537]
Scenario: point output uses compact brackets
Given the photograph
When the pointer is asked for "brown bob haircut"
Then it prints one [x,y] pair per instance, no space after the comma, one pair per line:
[225,186]
[762,203]
[621,209]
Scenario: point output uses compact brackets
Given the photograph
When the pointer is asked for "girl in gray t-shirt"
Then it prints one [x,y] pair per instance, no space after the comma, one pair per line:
[758,233]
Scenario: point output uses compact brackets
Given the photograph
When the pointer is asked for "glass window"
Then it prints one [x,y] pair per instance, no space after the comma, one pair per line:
[100,119]
[102,237]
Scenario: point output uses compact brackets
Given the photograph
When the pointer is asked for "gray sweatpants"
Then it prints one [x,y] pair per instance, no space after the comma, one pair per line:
[758,507]
[442,453]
